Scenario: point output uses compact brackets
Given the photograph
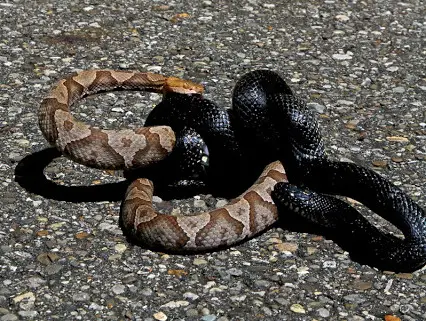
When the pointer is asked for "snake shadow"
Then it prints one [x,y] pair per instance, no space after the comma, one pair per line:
[29,174]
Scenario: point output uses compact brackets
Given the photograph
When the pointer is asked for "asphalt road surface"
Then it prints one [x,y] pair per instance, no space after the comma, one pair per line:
[359,64]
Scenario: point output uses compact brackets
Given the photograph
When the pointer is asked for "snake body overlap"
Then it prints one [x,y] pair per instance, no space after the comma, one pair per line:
[266,123]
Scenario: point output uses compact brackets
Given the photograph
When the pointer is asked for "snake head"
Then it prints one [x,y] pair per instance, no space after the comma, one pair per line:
[182,86]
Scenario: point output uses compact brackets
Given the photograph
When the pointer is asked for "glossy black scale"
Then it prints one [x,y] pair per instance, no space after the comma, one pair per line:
[268,122]
[225,172]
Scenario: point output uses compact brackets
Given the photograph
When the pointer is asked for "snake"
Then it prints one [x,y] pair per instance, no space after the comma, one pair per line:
[107,148]
[268,140]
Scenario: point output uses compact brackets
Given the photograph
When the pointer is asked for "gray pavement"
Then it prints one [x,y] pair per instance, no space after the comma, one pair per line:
[361,66]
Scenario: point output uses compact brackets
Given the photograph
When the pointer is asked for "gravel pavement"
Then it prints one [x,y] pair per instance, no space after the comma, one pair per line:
[359,64]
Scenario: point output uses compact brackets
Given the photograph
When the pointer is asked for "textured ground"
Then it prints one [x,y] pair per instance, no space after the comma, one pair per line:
[360,64]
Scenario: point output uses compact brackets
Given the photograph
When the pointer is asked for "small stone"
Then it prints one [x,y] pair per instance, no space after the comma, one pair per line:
[198,261]
[297,308]
[175,304]
[199,203]
[379,163]
[342,17]
[366,82]
[362,285]
[393,69]
[192,313]
[28,314]
[397,159]
[81,296]
[235,272]
[342,57]
[120,248]
[35,282]
[398,90]
[317,107]
[405,308]
[24,143]
[160,316]
[53,269]
[209,317]
[311,250]
[354,298]
[9,317]
[146,292]
[118,289]
[324,313]
[329,264]
[190,296]
[28,296]
[221,203]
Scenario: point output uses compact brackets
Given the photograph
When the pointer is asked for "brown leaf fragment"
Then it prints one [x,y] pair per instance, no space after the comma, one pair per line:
[162,7]
[362,285]
[178,273]
[81,235]
[42,233]
[179,16]
[397,139]
[407,276]
[390,317]
[379,163]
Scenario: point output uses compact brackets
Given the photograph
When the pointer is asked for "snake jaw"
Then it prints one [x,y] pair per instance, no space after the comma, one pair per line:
[182,86]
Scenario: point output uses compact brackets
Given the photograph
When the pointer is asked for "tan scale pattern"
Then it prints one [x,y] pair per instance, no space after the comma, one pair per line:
[103,148]
[245,216]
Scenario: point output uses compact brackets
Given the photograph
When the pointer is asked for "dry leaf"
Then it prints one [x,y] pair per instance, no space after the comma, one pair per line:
[397,139]
[390,317]
[178,273]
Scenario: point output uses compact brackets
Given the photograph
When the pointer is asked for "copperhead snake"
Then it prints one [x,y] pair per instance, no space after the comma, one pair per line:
[260,98]
[106,148]
[244,217]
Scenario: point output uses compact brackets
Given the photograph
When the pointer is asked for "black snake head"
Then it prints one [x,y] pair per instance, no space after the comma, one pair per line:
[319,209]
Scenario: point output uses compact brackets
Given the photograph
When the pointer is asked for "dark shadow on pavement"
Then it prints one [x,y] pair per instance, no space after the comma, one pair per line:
[30,176]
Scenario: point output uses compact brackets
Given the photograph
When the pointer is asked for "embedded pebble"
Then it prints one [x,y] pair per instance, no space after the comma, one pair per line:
[329,264]
[199,261]
[9,317]
[120,248]
[317,107]
[160,316]
[324,313]
[118,289]
[297,308]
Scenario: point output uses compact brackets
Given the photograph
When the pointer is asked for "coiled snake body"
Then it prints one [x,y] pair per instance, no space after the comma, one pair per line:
[266,123]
